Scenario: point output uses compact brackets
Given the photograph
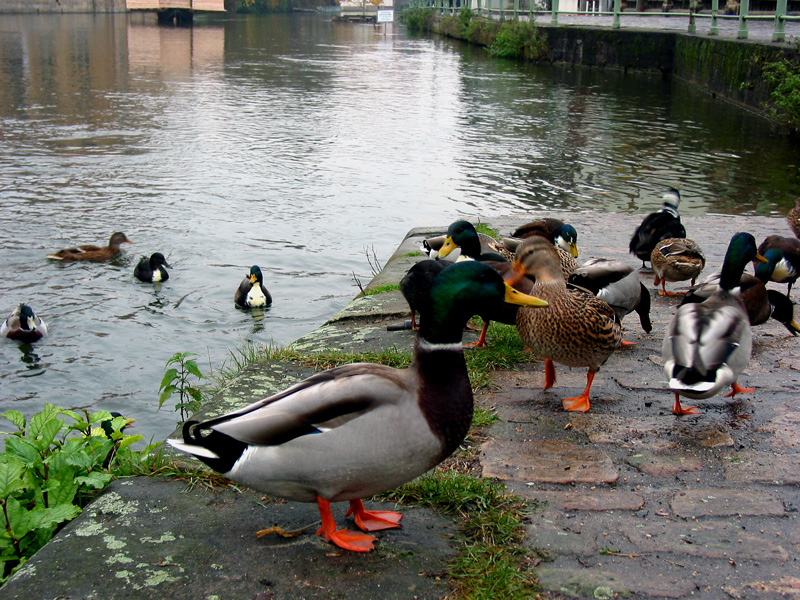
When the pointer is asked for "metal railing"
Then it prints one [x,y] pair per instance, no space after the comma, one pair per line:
[526,9]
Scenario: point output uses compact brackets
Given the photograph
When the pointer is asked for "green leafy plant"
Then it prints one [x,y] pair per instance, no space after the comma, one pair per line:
[783,79]
[50,469]
[177,381]
[418,19]
[516,39]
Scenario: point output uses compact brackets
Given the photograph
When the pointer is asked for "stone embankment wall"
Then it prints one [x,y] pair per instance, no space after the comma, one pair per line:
[727,68]
[62,6]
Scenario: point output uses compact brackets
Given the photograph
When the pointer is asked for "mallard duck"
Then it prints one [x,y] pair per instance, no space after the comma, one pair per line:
[361,429]
[676,259]
[617,284]
[432,245]
[462,234]
[251,293]
[577,330]
[23,325]
[92,253]
[793,218]
[416,284]
[559,233]
[151,270]
[567,261]
[783,260]
[657,226]
[707,345]
[760,303]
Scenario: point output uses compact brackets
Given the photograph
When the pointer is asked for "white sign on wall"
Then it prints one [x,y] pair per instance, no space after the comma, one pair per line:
[385,16]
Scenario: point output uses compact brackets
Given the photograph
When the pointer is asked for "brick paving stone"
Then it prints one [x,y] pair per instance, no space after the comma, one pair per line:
[763,467]
[589,500]
[550,461]
[603,584]
[715,539]
[719,502]
[664,465]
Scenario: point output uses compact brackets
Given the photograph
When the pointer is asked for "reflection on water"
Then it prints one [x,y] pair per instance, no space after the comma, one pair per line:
[302,146]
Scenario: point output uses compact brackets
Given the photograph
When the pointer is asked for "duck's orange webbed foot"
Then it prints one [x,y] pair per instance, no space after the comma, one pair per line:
[736,389]
[580,403]
[679,410]
[373,520]
[626,344]
[344,538]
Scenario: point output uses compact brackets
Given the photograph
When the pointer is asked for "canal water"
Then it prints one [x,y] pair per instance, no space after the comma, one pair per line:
[308,148]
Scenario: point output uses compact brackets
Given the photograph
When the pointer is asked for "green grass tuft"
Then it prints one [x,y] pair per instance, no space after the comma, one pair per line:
[381,289]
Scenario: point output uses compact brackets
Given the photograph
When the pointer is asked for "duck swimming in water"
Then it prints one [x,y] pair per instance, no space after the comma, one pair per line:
[252,293]
[91,253]
[23,325]
[151,270]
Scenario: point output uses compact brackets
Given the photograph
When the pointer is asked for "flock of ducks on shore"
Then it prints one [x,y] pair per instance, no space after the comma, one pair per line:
[361,429]
[25,326]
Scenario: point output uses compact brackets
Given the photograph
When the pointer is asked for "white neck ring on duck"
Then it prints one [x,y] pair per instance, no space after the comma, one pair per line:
[426,346]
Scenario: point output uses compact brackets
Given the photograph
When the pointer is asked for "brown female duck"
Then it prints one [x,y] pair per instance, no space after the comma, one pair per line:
[577,329]
[676,259]
[92,253]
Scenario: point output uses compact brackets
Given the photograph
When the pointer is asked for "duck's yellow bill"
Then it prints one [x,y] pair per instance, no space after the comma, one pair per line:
[448,246]
[573,249]
[516,297]
[760,258]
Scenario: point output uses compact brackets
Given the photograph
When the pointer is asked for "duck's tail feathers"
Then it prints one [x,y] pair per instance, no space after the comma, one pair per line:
[55,257]
[193,449]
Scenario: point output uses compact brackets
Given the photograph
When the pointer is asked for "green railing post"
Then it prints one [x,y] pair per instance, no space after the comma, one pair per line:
[617,8]
[516,9]
[779,34]
[714,29]
[554,19]
[744,9]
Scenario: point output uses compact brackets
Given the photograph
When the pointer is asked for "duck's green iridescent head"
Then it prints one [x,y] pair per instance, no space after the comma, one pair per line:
[460,234]
[741,250]
[567,239]
[255,274]
[766,268]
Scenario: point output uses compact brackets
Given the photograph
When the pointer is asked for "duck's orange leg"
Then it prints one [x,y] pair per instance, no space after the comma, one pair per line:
[684,410]
[735,389]
[663,291]
[414,325]
[626,344]
[549,373]
[373,520]
[580,403]
[344,538]
[481,343]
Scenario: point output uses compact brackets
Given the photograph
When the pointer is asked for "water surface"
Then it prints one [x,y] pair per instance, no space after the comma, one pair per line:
[301,146]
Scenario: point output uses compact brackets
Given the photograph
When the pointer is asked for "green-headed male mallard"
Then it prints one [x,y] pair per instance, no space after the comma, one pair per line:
[23,325]
[657,226]
[90,253]
[559,233]
[251,292]
[361,429]
[783,260]
[577,329]
[676,259]
[707,345]
[151,270]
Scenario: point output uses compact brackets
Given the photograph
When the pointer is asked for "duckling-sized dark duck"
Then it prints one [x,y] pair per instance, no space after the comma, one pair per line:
[23,325]
[91,253]
[708,345]
[151,270]
[577,329]
[559,233]
[251,292]
[783,260]
[657,226]
[361,429]
[761,304]
[416,285]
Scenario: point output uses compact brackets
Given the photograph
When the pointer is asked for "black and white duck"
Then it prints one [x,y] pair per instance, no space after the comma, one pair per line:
[151,270]
[657,226]
[251,292]
[23,325]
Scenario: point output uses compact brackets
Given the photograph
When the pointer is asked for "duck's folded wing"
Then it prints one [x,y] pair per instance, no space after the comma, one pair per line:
[322,402]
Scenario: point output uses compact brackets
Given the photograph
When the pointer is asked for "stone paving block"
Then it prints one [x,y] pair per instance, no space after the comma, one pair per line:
[604,585]
[716,539]
[547,462]
[763,467]
[719,502]
[589,500]
[664,465]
